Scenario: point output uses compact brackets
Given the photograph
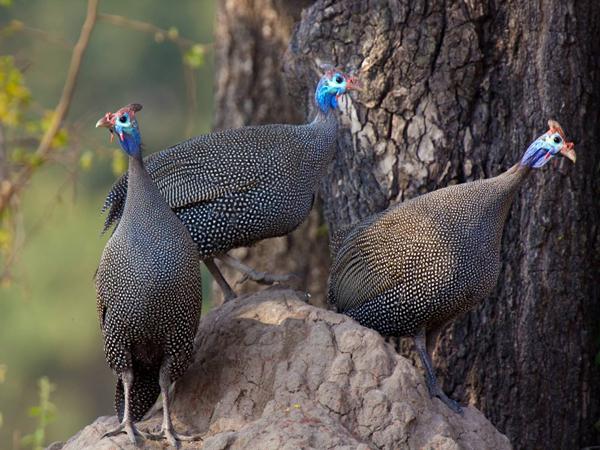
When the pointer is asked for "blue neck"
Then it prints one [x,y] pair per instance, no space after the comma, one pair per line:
[131,143]
[325,97]
[537,154]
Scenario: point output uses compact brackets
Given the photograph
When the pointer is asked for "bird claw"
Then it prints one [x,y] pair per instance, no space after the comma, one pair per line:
[270,278]
[242,280]
[254,275]
[173,438]
[130,429]
[452,404]
[266,278]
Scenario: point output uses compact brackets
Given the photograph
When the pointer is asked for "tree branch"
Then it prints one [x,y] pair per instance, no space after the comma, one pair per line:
[9,188]
[146,27]
[17,26]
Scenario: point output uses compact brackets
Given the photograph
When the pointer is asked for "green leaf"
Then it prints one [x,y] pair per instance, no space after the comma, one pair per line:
[14,95]
[38,436]
[35,411]
[35,160]
[61,137]
[86,159]
[18,155]
[173,33]
[5,243]
[194,57]
[6,3]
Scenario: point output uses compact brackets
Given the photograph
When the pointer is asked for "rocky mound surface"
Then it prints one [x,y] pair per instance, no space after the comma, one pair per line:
[272,372]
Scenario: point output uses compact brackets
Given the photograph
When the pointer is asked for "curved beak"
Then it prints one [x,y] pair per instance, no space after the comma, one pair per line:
[568,151]
[106,121]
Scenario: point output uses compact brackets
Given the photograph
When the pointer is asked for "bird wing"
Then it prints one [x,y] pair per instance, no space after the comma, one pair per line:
[378,254]
[184,183]
[207,167]
[354,281]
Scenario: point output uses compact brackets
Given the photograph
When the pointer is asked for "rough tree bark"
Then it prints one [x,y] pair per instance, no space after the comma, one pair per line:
[251,39]
[455,91]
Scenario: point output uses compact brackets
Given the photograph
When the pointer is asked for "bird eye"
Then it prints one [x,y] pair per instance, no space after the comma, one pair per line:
[557,140]
[123,118]
[339,79]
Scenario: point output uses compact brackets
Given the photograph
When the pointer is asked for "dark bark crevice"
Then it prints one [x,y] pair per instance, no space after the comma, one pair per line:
[251,38]
[455,92]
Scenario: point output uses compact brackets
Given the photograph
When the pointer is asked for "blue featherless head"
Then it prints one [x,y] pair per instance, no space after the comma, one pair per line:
[331,87]
[548,145]
[124,124]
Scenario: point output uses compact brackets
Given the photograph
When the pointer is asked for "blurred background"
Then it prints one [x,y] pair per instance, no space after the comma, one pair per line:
[50,242]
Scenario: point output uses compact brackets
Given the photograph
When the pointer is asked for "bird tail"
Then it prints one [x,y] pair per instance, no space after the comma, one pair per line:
[115,202]
[144,392]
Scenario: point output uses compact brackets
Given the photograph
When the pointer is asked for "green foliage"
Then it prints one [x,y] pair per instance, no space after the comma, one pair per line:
[14,95]
[5,239]
[194,57]
[172,34]
[15,98]
[22,131]
[86,159]
[44,412]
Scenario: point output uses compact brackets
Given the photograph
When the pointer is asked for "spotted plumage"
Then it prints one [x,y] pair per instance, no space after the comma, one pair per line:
[148,289]
[410,269]
[235,187]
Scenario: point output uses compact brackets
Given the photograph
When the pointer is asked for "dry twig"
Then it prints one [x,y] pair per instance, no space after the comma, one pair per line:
[146,27]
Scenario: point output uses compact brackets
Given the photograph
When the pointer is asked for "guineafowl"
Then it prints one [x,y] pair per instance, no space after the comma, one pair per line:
[233,188]
[148,291]
[413,267]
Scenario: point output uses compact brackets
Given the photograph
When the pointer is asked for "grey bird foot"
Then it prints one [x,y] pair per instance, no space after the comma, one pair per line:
[173,438]
[267,278]
[254,275]
[430,378]
[452,404]
[228,293]
[130,429]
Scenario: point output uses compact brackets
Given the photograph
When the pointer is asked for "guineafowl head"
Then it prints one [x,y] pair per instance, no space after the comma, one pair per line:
[331,86]
[124,124]
[548,145]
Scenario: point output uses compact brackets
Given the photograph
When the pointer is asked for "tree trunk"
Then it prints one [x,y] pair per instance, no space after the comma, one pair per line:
[251,38]
[455,91]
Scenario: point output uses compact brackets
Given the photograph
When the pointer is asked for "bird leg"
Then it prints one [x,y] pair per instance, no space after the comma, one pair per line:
[228,293]
[126,424]
[254,275]
[430,378]
[430,338]
[167,431]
